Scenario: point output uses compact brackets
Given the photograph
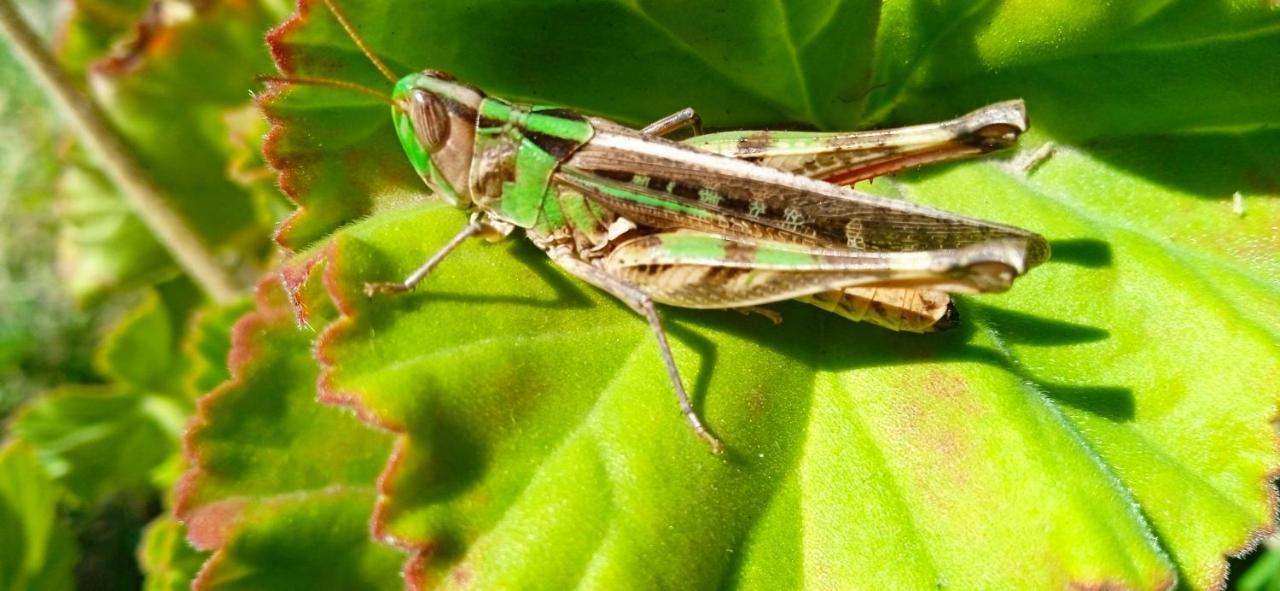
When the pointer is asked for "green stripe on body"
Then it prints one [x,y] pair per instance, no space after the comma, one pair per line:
[693,246]
[617,192]
[769,255]
[586,216]
[554,125]
[527,199]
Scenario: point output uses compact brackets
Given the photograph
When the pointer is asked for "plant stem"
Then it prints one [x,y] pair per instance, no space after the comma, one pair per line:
[146,199]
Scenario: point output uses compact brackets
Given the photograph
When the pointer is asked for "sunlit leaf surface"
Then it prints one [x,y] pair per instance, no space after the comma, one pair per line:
[1105,423]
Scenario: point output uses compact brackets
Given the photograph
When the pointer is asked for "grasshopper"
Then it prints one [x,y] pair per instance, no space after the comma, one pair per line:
[724,220]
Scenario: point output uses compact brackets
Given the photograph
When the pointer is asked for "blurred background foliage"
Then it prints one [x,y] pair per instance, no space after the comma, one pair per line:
[104,345]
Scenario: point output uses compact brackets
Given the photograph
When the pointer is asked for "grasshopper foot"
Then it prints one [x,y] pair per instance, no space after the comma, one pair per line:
[373,289]
[717,447]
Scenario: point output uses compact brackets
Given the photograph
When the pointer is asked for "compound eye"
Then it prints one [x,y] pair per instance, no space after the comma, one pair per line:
[430,119]
[440,75]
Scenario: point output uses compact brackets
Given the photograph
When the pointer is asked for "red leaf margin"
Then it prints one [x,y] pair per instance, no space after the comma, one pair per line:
[208,525]
[372,171]
[419,552]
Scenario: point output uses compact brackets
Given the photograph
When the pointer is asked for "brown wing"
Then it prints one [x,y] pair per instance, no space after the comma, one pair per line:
[667,185]
[845,158]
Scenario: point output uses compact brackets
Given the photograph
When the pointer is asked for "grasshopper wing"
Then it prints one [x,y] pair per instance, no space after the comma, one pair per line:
[845,158]
[669,186]
[700,270]
[849,157]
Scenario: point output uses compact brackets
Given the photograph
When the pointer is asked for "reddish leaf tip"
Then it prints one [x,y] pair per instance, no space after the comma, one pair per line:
[209,527]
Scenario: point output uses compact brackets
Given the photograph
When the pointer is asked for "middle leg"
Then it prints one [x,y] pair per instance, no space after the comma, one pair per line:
[642,303]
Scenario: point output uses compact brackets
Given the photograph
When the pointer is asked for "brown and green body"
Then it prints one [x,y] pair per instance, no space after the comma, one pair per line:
[719,221]
[729,220]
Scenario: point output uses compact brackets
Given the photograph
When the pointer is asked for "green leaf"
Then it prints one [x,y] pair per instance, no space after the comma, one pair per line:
[102,245]
[522,437]
[140,352]
[269,467]
[93,28]
[102,439]
[171,88]
[168,561]
[1263,575]
[1145,67]
[114,447]
[207,345]
[315,540]
[1062,438]
[36,551]
[168,97]
[98,439]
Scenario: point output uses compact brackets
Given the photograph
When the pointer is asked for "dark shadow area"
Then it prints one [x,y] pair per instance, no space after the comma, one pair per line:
[1162,114]
[1161,538]
[1082,252]
[1239,565]
[707,357]
[1109,402]
[1030,329]
[442,458]
[815,337]
[946,44]
[1207,165]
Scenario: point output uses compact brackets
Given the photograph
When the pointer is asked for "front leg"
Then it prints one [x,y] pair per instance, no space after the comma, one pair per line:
[685,117]
[640,301]
[475,226]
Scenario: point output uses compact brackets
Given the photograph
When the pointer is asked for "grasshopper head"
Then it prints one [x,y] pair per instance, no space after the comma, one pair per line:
[435,118]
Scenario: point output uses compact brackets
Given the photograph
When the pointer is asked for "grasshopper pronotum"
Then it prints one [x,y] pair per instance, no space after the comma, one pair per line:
[726,220]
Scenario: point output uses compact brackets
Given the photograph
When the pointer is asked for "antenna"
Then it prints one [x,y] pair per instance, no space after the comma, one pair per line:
[351,32]
[330,82]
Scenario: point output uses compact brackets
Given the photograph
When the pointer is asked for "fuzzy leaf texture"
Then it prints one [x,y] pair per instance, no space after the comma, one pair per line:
[1105,423]
[269,467]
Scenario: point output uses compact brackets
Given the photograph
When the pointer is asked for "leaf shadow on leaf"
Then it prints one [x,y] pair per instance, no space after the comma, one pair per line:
[1090,253]
[1206,165]
[957,30]
[845,346]
[460,459]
